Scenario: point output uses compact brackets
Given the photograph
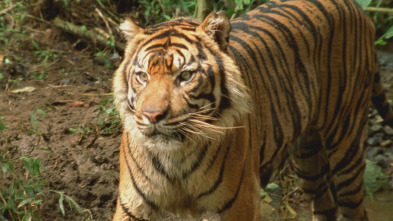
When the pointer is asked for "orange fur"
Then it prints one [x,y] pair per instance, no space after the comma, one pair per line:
[210,109]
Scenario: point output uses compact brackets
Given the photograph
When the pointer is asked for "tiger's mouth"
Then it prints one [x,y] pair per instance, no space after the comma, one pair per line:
[160,132]
[187,126]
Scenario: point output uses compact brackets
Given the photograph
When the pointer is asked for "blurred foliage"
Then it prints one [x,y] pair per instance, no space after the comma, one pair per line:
[381,12]
[374,179]
[22,196]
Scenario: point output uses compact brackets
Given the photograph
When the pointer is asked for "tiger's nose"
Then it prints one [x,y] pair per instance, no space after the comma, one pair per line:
[154,116]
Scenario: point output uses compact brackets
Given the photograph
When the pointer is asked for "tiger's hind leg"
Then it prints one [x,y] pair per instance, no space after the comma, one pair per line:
[346,152]
[313,169]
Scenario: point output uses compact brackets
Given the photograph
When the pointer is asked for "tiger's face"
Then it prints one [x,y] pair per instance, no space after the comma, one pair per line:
[177,81]
[171,90]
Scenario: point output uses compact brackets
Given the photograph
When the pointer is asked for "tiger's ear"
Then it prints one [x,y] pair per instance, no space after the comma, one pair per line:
[217,26]
[129,28]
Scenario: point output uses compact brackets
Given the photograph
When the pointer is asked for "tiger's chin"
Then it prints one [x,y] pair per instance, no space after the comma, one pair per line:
[158,136]
[161,141]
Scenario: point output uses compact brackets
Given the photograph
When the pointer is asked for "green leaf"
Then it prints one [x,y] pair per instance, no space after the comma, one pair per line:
[28,162]
[34,121]
[373,179]
[30,191]
[27,217]
[61,205]
[380,41]
[42,113]
[389,33]
[36,46]
[23,202]
[72,203]
[272,186]
[2,126]
[7,166]
[363,3]
[262,193]
[72,130]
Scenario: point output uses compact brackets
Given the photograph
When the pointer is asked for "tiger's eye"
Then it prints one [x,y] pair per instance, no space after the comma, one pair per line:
[142,77]
[185,76]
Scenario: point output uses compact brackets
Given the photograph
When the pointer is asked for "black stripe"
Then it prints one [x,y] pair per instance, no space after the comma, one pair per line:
[129,214]
[190,105]
[138,190]
[200,82]
[213,159]
[352,205]
[166,34]
[312,149]
[197,162]
[289,95]
[328,213]
[229,203]
[201,54]
[224,101]
[219,179]
[355,191]
[188,29]
[324,170]
[318,191]
[159,166]
[126,73]
[351,179]
[133,158]
[210,97]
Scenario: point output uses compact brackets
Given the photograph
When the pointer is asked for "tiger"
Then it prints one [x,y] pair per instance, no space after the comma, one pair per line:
[211,109]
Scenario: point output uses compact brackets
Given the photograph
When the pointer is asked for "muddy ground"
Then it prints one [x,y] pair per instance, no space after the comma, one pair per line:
[78,139]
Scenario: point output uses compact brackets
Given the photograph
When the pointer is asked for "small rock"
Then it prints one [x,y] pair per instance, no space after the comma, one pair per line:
[376,127]
[373,141]
[66,81]
[378,119]
[388,130]
[385,143]
[374,151]
[382,161]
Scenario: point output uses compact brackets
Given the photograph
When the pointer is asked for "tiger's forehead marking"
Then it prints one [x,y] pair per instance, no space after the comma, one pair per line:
[170,61]
[168,47]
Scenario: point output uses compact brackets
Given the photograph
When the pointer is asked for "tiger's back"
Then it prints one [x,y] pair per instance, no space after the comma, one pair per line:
[298,64]
[311,78]
[211,109]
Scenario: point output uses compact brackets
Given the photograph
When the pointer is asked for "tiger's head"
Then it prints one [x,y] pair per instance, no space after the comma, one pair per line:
[177,82]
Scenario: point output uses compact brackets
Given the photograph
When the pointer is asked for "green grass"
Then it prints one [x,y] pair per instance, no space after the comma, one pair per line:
[108,117]
[23,195]
[23,190]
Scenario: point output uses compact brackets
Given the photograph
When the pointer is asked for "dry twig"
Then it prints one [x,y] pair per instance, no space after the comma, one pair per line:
[83,33]
[375,9]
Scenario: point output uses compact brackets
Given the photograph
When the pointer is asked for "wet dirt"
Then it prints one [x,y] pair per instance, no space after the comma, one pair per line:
[81,159]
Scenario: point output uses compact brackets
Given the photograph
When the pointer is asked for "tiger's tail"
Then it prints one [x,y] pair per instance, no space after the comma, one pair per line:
[380,101]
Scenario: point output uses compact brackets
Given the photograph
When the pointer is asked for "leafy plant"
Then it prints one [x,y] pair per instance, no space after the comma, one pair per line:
[23,197]
[381,21]
[157,11]
[374,179]
[34,120]
[3,126]
[383,39]
[44,55]
[104,57]
[108,116]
